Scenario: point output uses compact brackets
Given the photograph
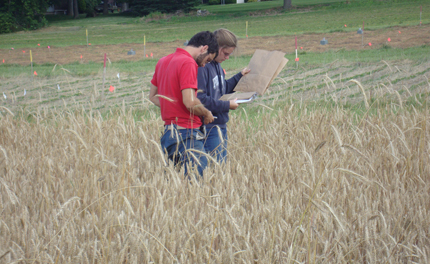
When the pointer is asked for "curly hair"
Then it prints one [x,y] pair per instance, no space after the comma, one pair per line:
[204,38]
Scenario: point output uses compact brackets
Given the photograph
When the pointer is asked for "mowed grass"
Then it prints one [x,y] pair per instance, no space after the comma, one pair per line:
[258,6]
[115,29]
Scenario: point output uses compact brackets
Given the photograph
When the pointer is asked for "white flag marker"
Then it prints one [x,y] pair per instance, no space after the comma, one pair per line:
[58,86]
[117,75]
[5,97]
[25,92]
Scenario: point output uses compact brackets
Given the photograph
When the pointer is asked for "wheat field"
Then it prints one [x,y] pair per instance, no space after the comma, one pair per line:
[300,186]
[330,166]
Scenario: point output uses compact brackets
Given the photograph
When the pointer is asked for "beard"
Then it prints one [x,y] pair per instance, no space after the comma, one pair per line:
[201,59]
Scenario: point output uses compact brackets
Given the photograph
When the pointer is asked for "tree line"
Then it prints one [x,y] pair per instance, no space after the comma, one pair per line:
[18,15]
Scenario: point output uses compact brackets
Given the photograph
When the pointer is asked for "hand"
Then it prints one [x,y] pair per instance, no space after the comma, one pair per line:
[208,117]
[245,71]
[233,104]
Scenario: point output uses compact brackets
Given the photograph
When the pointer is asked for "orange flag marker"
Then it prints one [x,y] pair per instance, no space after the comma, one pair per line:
[35,73]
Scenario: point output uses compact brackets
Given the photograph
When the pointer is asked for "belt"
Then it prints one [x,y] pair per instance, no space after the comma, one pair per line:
[175,126]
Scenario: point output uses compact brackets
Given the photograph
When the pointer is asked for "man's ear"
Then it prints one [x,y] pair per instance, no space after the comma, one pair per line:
[204,48]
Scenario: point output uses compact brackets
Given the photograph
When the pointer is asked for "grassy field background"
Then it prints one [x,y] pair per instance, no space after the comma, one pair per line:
[330,166]
[115,29]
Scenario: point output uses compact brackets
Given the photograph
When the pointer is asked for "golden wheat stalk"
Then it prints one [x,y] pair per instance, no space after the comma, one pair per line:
[387,65]
[164,97]
[400,99]
[78,136]
[362,90]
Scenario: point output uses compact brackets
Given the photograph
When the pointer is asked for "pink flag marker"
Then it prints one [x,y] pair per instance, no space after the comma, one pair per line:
[152,55]
[400,32]
[81,57]
[89,44]
[23,51]
[297,59]
[147,55]
[3,60]
[301,48]
[35,73]
[38,45]
[345,25]
[370,44]
[12,48]
[111,89]
[389,39]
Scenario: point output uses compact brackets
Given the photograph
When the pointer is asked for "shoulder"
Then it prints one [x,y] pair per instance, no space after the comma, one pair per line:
[209,67]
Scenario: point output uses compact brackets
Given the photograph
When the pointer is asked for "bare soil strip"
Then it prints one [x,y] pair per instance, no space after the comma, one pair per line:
[401,37]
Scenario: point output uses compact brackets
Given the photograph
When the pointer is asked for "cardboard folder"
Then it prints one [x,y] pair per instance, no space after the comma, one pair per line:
[265,66]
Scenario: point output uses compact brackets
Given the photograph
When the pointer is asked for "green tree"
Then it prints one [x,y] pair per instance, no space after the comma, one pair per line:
[82,6]
[22,14]
[90,4]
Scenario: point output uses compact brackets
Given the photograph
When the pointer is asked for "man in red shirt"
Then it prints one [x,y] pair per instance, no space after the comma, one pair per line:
[174,90]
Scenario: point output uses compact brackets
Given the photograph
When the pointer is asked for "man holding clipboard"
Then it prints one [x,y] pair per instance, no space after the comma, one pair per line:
[174,89]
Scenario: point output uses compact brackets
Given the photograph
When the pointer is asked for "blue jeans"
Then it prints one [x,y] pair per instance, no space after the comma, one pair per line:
[216,144]
[179,145]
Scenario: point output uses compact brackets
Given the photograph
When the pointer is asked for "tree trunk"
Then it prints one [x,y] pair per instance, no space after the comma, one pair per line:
[70,9]
[75,5]
[105,7]
[287,4]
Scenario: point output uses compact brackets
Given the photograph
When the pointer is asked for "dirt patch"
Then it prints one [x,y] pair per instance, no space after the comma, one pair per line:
[401,37]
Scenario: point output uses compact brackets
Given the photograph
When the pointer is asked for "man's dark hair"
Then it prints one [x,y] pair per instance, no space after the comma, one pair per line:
[204,38]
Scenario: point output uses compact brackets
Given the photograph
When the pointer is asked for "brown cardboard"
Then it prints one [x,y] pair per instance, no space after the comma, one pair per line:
[265,66]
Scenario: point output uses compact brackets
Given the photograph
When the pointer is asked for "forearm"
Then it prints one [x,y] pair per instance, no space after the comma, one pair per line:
[152,95]
[197,108]
[232,82]
[212,104]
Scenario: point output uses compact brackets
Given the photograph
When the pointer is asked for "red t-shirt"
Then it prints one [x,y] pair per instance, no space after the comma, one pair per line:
[174,73]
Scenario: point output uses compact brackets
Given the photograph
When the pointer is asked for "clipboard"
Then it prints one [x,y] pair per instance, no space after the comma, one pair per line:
[241,97]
